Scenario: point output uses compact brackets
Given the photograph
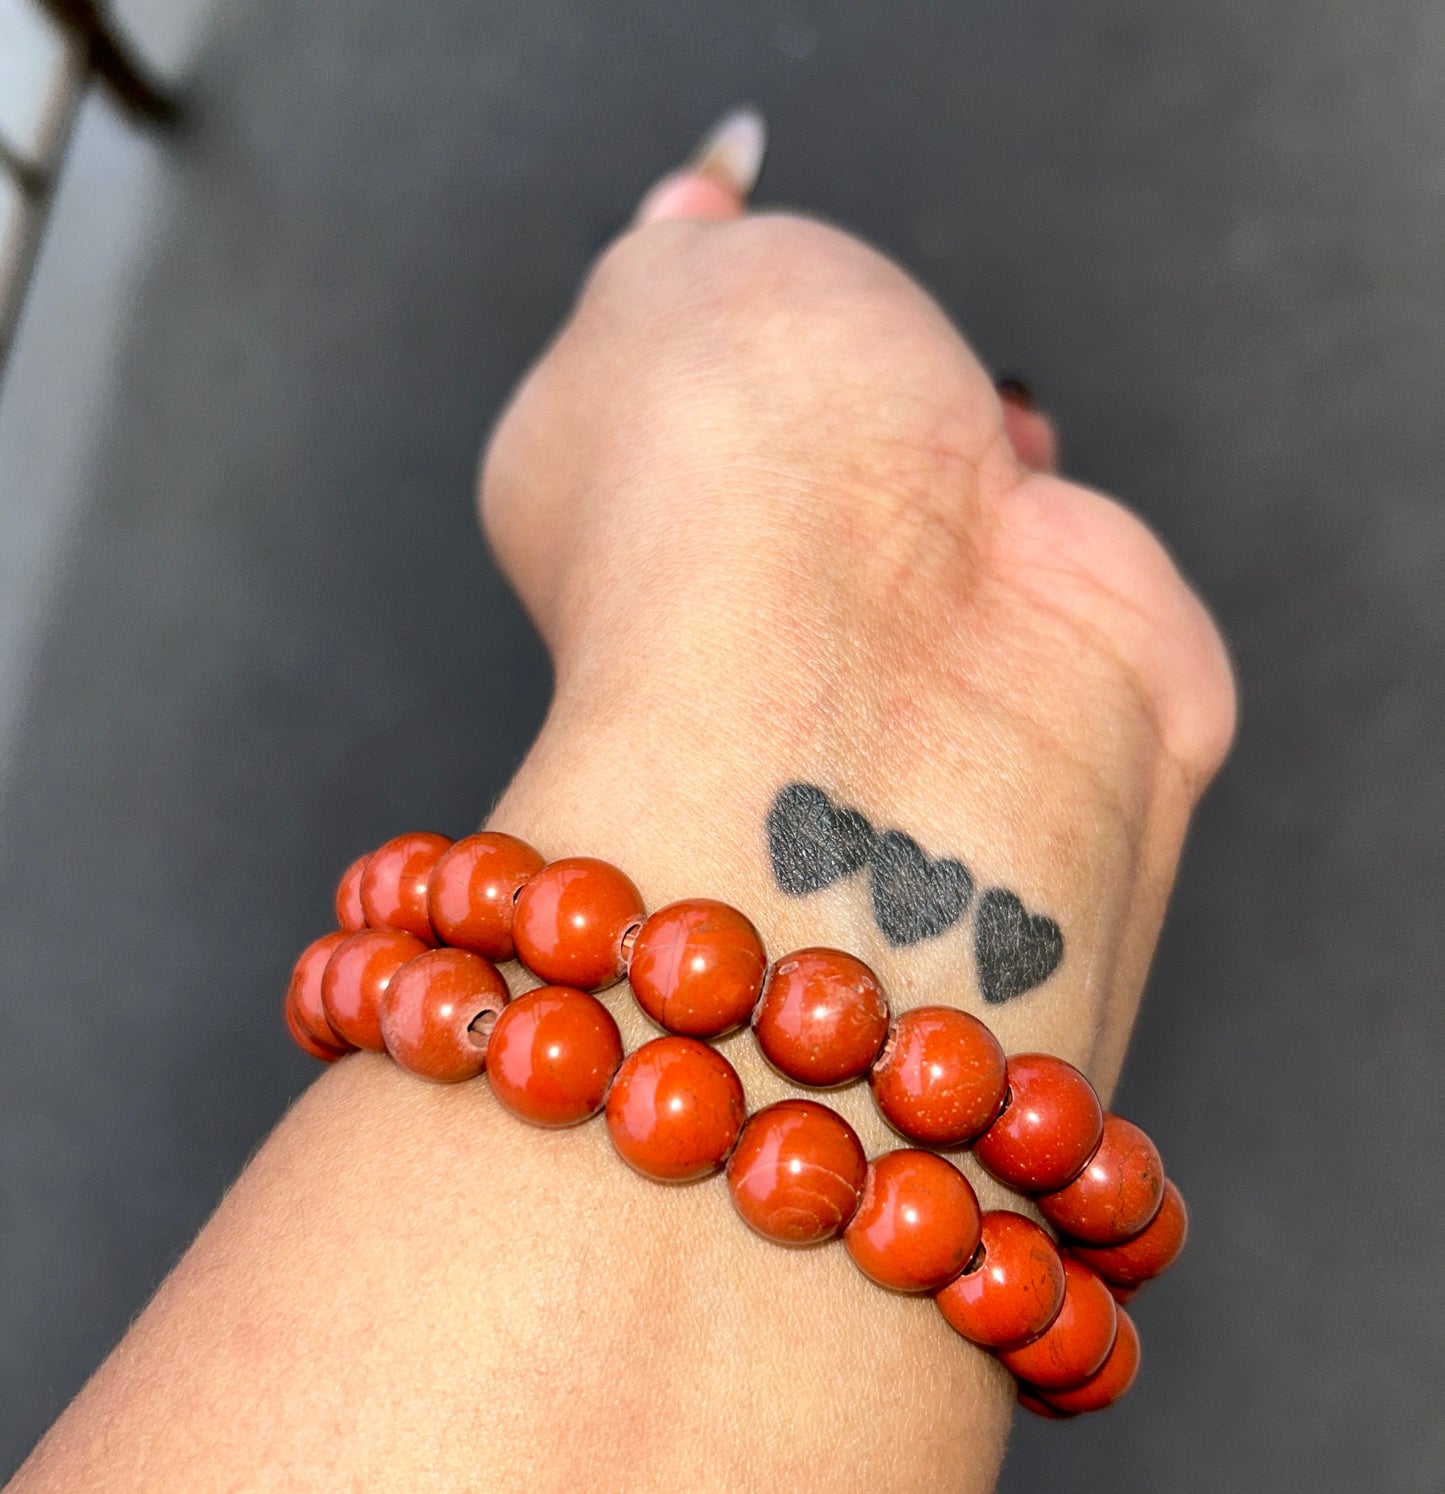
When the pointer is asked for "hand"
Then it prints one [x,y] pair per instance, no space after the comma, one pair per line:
[776,524]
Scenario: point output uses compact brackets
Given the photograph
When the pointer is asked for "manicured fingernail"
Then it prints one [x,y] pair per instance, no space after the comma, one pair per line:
[1016,392]
[732,151]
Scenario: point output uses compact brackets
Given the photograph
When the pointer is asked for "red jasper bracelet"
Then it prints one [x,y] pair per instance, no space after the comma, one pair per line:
[411,972]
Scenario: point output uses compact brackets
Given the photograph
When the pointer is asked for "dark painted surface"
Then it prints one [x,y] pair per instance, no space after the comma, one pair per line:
[1208,233]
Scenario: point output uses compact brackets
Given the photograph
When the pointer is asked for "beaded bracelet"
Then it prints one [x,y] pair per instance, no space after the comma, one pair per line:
[411,971]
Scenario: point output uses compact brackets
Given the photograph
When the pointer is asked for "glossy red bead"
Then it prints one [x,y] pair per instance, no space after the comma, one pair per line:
[308,1044]
[917,1223]
[1040,1407]
[473,890]
[697,967]
[1048,1129]
[797,1172]
[350,915]
[1012,1287]
[1129,1264]
[822,1017]
[675,1109]
[394,883]
[1076,1343]
[1109,1382]
[436,1014]
[357,973]
[305,1015]
[940,1077]
[1117,1193]
[570,921]
[552,1054]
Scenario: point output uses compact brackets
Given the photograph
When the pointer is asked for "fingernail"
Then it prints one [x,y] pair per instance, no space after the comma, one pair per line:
[1016,392]
[732,151]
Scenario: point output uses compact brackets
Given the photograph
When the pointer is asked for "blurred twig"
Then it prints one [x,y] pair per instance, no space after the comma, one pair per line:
[95,50]
[110,58]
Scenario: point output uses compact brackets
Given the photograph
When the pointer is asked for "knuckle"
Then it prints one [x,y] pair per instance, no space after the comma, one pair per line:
[1119,577]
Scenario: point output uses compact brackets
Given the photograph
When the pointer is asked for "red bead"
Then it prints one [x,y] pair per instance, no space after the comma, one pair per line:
[797,1172]
[473,888]
[917,1224]
[570,921]
[356,974]
[552,1054]
[1048,1129]
[1012,1288]
[1076,1343]
[822,1018]
[1116,1195]
[696,967]
[1128,1265]
[1040,1407]
[675,1109]
[349,912]
[428,1010]
[305,1015]
[1122,1295]
[1109,1382]
[308,1044]
[940,1078]
[394,883]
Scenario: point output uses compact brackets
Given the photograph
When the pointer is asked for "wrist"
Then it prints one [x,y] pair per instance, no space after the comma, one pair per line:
[668,762]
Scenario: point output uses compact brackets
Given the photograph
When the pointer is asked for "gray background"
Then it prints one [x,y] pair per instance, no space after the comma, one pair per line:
[248,629]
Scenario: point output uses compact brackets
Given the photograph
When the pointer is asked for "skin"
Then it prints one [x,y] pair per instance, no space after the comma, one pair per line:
[774,524]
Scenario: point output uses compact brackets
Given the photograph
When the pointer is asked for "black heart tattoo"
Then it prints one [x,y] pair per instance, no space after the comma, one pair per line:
[1016,950]
[915,898]
[812,842]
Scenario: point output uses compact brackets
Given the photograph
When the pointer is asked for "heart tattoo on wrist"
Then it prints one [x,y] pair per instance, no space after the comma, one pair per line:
[915,898]
[1016,950]
[814,843]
